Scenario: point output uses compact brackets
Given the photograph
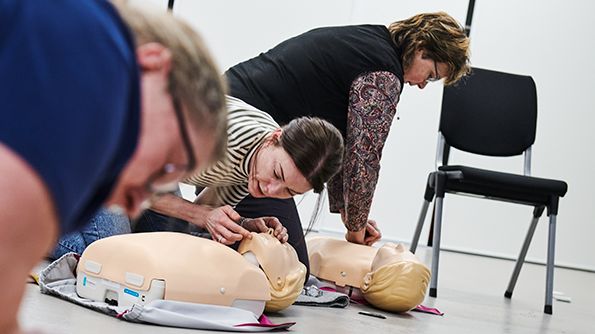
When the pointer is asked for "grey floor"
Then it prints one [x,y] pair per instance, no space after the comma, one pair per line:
[470,293]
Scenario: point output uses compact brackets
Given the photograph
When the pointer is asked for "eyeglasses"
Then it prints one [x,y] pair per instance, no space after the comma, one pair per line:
[435,78]
[166,179]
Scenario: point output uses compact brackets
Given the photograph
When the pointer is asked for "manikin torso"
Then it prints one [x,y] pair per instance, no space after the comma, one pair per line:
[390,277]
[341,263]
[140,267]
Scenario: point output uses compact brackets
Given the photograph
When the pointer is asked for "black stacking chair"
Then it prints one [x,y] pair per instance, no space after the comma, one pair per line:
[492,114]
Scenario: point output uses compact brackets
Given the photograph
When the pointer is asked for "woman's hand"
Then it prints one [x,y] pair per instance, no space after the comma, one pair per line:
[366,236]
[372,233]
[356,237]
[222,223]
[263,224]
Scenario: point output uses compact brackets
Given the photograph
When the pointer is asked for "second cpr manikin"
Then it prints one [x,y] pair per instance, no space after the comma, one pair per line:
[390,278]
[141,267]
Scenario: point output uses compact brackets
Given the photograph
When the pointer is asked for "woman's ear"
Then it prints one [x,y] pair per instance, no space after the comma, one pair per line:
[276,136]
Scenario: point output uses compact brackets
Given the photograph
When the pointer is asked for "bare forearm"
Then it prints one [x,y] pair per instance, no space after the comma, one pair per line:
[208,196]
[177,207]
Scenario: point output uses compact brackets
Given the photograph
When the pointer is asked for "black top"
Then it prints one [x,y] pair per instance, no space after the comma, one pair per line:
[311,74]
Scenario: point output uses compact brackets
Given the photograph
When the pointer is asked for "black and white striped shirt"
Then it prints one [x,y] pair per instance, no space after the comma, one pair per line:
[247,127]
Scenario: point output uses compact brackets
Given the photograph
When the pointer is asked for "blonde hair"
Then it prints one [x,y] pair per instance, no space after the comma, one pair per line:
[397,287]
[283,297]
[194,79]
[441,38]
[279,262]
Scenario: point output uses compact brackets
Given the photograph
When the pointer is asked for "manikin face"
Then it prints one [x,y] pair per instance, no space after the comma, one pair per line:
[161,158]
[423,70]
[273,173]
[390,253]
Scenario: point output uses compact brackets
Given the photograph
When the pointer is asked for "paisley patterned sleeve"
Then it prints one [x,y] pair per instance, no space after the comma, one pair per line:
[373,101]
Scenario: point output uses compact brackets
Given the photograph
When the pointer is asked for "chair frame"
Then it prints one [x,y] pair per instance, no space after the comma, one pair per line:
[436,188]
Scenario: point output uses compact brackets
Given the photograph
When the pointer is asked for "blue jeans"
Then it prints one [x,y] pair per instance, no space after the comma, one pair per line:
[102,225]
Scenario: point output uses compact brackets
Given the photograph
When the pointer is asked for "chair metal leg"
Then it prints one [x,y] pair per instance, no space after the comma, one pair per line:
[436,247]
[521,259]
[420,225]
[429,196]
[440,185]
[549,280]
[431,233]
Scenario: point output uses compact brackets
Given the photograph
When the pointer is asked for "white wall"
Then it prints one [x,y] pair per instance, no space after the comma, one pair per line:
[553,41]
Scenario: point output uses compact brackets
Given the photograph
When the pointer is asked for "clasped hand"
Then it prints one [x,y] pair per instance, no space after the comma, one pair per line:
[366,236]
[223,223]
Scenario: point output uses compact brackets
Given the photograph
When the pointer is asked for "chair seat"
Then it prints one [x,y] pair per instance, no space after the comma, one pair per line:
[506,186]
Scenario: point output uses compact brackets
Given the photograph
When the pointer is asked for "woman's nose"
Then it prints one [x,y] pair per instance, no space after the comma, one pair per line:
[272,188]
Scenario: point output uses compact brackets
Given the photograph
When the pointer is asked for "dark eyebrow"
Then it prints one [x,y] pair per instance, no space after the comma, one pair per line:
[281,169]
[291,192]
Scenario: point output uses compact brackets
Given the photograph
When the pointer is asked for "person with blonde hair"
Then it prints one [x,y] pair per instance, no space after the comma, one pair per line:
[100,104]
[352,76]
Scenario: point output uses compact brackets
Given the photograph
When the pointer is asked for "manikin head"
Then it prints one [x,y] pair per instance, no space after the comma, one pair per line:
[390,278]
[433,46]
[183,124]
[398,281]
[300,156]
[285,274]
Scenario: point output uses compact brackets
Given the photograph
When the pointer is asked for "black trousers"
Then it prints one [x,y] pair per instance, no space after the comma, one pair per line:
[250,207]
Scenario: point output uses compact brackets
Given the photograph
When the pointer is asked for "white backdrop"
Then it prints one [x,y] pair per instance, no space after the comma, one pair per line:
[553,41]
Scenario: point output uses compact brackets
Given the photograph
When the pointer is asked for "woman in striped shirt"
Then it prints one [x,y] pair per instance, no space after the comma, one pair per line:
[262,160]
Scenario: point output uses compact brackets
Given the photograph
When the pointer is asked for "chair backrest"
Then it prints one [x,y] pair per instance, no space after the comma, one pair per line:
[490,113]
